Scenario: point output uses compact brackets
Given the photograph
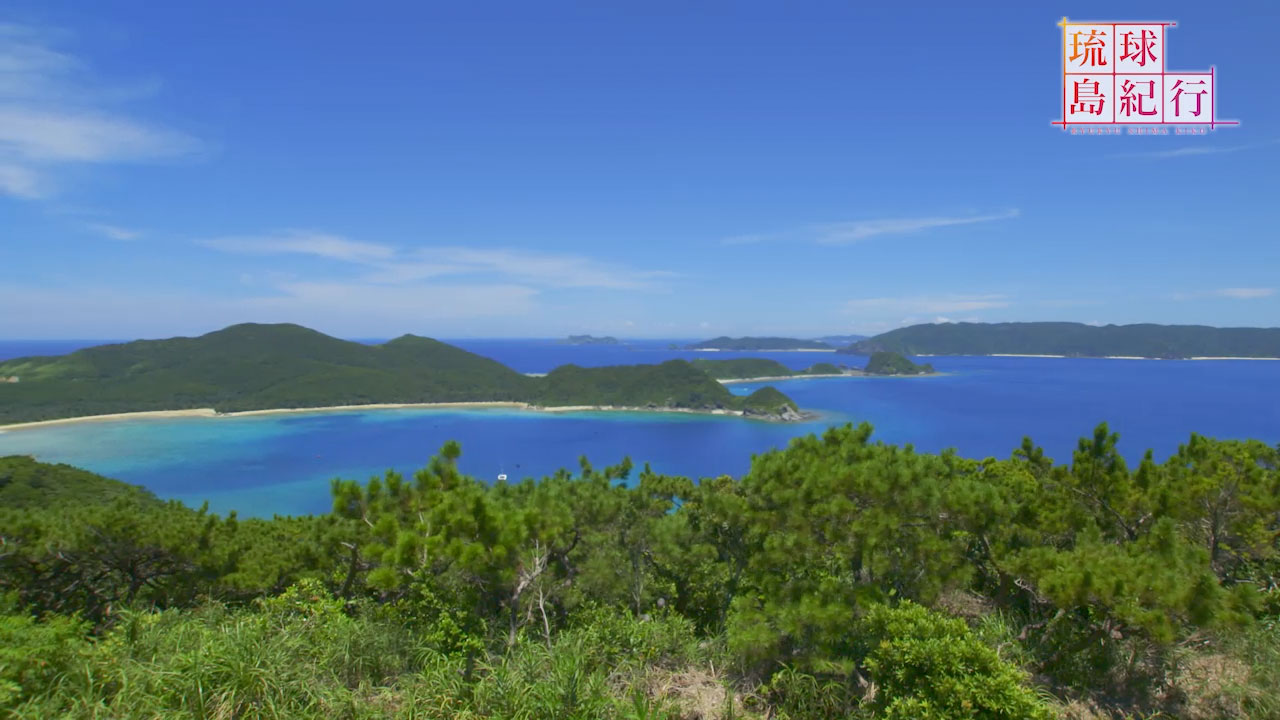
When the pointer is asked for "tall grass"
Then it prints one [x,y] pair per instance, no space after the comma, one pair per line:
[287,659]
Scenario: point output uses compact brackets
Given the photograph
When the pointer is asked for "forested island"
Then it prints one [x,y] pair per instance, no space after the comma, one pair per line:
[759,343]
[743,369]
[259,367]
[590,340]
[839,578]
[891,363]
[1075,340]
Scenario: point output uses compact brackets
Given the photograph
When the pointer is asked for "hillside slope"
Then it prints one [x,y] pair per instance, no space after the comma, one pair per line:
[247,367]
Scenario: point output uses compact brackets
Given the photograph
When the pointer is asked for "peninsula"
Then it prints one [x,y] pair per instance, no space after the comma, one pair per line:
[759,344]
[253,367]
[1066,339]
[749,369]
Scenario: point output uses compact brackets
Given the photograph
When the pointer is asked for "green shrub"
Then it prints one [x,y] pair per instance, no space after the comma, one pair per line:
[927,666]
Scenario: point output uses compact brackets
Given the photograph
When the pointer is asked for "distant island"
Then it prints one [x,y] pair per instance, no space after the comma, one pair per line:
[590,340]
[759,343]
[253,367]
[1068,339]
[840,340]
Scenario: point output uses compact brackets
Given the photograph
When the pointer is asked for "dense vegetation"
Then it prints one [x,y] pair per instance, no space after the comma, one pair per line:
[252,367]
[1074,339]
[759,343]
[739,368]
[891,363]
[736,368]
[839,578]
[672,384]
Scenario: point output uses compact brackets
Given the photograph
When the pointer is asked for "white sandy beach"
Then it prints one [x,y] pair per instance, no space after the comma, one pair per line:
[211,413]
[1232,358]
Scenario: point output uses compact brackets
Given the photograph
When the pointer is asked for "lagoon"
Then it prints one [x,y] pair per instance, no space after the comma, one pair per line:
[982,406]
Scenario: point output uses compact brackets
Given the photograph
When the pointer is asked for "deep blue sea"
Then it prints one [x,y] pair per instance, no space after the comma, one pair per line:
[982,406]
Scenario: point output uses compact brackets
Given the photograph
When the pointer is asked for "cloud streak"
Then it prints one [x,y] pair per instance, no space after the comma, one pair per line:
[1240,293]
[302,242]
[1232,293]
[855,231]
[380,264]
[114,232]
[847,233]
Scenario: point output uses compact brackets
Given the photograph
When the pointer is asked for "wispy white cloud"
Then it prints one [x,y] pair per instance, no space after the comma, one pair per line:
[302,242]
[115,232]
[926,304]
[355,300]
[20,182]
[1234,293]
[1242,293]
[543,269]
[381,264]
[845,233]
[854,231]
[66,136]
[1195,150]
[55,112]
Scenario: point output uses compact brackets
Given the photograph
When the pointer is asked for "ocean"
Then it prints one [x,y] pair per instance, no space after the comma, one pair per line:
[981,406]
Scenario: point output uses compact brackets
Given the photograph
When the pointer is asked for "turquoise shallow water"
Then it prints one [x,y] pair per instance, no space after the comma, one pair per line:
[982,406]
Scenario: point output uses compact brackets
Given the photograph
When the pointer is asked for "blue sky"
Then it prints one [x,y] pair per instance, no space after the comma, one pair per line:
[655,169]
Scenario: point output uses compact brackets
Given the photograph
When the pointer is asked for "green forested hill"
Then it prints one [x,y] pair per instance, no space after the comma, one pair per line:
[674,383]
[246,367]
[770,401]
[25,483]
[251,367]
[891,363]
[1074,339]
